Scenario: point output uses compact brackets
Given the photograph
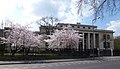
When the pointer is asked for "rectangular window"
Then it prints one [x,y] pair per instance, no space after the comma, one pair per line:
[104,44]
[60,25]
[66,25]
[80,40]
[80,32]
[88,27]
[108,36]
[108,45]
[104,36]
[83,27]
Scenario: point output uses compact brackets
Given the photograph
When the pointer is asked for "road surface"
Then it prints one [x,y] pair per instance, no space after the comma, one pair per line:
[86,64]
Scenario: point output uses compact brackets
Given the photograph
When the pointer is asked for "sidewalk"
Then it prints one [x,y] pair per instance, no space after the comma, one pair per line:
[109,57]
[38,61]
[56,60]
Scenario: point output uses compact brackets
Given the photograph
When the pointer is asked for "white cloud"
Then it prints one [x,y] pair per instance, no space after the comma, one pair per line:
[45,8]
[65,10]
[26,11]
[7,7]
[71,16]
[115,26]
[18,11]
[68,12]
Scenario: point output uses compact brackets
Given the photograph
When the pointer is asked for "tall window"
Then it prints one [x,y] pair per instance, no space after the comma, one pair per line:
[66,25]
[108,36]
[104,44]
[108,44]
[104,36]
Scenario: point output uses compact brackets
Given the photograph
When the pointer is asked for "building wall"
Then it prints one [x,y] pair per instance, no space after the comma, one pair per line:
[87,30]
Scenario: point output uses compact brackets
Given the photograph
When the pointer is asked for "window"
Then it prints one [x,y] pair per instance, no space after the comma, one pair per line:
[48,37]
[90,41]
[85,41]
[80,33]
[108,45]
[83,27]
[104,36]
[90,46]
[108,36]
[72,26]
[80,40]
[88,27]
[60,25]
[104,44]
[78,26]
[66,25]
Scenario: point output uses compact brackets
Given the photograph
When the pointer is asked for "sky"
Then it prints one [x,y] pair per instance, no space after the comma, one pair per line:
[27,12]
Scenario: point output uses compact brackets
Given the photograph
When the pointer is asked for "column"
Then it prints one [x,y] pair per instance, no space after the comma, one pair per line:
[100,41]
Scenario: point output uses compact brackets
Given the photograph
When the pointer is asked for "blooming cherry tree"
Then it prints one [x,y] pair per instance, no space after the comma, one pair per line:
[66,38]
[41,42]
[20,36]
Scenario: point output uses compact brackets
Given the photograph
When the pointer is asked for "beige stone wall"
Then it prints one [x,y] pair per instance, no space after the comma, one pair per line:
[88,32]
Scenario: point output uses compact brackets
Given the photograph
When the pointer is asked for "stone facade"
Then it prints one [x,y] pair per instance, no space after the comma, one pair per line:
[93,38]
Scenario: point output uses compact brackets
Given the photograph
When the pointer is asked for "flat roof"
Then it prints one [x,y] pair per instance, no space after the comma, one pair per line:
[91,30]
[75,24]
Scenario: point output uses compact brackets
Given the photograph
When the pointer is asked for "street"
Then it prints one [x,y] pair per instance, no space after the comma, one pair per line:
[86,64]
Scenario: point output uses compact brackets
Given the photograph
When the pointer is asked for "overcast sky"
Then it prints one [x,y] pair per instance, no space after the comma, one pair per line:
[28,11]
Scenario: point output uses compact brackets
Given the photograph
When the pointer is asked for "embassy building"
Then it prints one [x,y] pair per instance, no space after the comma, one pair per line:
[95,41]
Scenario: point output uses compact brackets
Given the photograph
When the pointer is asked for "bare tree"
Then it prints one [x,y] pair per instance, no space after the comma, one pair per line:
[99,7]
[47,21]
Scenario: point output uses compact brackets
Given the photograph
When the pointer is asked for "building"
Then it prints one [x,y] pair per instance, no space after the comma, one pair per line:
[93,38]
